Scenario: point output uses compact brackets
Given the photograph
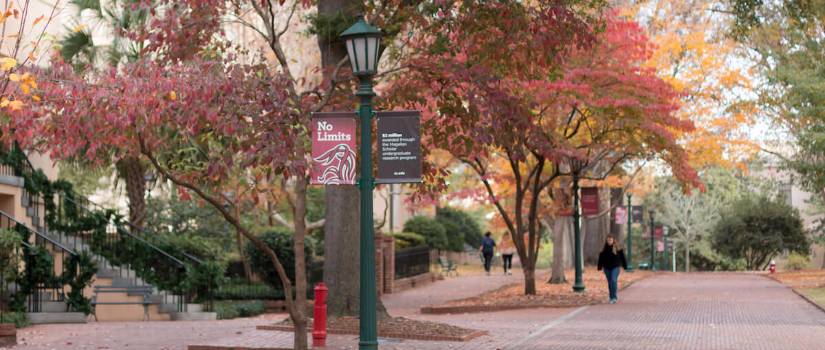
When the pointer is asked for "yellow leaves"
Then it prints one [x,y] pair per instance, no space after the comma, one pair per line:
[7,63]
[38,20]
[26,81]
[15,105]
[12,105]
[173,96]
[79,28]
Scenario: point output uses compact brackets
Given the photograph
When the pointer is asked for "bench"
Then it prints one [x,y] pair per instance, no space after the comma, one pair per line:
[143,291]
[447,266]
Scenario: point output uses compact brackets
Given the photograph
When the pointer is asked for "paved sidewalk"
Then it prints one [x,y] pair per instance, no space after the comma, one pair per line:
[409,302]
[705,311]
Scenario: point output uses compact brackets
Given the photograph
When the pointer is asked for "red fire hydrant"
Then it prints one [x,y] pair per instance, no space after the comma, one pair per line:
[773,266]
[319,324]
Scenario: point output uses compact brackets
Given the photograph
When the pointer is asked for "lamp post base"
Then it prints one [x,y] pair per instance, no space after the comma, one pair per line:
[578,287]
[367,345]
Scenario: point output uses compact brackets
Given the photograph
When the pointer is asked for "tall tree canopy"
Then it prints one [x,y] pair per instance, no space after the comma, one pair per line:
[535,87]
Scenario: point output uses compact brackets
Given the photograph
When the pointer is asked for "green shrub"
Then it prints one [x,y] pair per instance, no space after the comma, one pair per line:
[758,228]
[80,270]
[242,290]
[10,242]
[281,242]
[407,239]
[797,261]
[460,228]
[433,232]
[229,309]
[19,319]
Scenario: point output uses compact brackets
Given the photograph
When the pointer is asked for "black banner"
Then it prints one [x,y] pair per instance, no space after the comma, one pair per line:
[638,214]
[399,147]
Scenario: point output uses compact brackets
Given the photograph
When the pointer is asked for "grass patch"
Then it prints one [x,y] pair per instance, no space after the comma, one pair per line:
[816,295]
[229,309]
[18,319]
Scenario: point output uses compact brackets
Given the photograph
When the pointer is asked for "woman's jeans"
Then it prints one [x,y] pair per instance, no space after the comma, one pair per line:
[488,260]
[507,260]
[612,281]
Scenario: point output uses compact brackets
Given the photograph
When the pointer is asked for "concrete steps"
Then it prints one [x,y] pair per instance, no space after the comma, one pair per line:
[162,307]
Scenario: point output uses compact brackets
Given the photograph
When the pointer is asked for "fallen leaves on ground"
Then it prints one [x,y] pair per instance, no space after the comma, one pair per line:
[801,279]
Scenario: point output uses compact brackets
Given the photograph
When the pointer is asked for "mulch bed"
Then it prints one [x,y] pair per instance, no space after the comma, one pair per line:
[394,327]
[511,297]
[801,279]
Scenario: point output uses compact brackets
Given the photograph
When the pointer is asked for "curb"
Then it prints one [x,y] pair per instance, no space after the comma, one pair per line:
[341,331]
[803,296]
[468,309]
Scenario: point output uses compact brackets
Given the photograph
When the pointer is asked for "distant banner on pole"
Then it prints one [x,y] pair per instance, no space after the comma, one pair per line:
[590,201]
[660,246]
[620,215]
[638,213]
[659,232]
[333,148]
[399,147]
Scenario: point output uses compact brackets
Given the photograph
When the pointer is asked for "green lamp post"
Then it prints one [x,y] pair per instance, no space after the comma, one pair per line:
[362,41]
[578,286]
[652,241]
[629,233]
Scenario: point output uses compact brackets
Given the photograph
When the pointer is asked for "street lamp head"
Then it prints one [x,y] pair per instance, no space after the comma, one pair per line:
[363,42]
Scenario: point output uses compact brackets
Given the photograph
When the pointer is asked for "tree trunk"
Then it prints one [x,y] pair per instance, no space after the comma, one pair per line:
[559,228]
[341,249]
[342,217]
[133,171]
[247,269]
[300,213]
[687,255]
[529,269]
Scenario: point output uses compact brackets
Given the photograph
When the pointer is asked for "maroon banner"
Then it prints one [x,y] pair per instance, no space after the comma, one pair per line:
[333,148]
[659,232]
[590,201]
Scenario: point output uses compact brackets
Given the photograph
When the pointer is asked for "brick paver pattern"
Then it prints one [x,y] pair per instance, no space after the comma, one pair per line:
[698,311]
[704,311]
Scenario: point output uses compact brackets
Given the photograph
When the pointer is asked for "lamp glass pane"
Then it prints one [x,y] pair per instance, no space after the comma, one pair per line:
[360,53]
[351,53]
[372,53]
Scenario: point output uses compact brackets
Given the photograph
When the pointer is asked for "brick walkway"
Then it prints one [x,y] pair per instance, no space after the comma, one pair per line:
[679,312]
[697,311]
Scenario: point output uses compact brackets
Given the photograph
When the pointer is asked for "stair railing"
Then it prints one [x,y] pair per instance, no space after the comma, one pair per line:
[42,291]
[125,251]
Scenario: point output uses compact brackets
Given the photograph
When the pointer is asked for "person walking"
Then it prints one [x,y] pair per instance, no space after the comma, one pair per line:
[611,259]
[507,249]
[488,246]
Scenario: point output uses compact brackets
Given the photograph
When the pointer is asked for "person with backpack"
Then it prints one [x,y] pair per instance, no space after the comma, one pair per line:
[488,247]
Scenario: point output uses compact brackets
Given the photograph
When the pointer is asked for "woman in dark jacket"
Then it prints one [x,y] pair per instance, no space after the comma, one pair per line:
[610,259]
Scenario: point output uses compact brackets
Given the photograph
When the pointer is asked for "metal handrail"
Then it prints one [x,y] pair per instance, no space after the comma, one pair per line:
[127,233]
[155,248]
[39,234]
